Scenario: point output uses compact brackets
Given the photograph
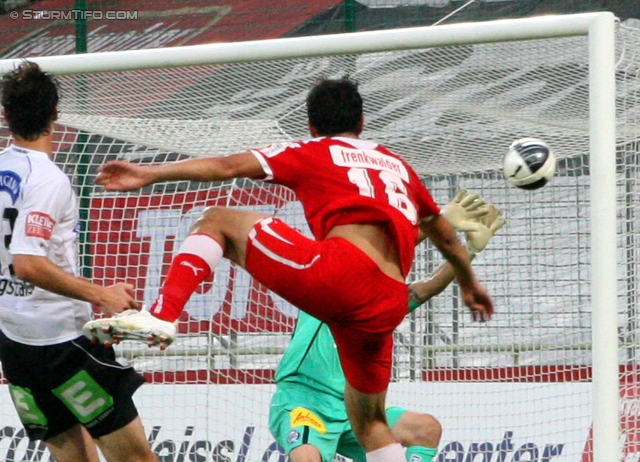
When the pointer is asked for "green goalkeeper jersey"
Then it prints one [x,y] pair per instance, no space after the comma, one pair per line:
[311,359]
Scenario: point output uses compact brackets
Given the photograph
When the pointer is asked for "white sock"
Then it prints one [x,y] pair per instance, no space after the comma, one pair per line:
[205,247]
[391,453]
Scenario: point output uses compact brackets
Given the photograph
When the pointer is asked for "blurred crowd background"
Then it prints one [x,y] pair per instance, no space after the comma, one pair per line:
[51,27]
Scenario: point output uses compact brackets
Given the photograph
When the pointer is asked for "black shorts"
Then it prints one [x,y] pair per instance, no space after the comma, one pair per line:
[55,387]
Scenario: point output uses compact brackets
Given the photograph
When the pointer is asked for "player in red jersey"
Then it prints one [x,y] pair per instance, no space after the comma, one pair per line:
[367,210]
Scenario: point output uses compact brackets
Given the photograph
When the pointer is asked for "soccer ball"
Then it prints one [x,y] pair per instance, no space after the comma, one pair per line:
[529,163]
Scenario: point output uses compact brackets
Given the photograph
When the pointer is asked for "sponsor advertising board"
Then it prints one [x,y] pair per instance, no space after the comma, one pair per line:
[489,422]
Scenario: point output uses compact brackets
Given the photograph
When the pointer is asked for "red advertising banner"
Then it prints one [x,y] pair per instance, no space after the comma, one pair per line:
[134,238]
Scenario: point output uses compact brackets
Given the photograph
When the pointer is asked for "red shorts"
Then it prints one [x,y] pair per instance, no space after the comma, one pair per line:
[340,285]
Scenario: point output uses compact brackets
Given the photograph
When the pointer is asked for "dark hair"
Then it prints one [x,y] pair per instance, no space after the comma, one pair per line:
[30,100]
[335,106]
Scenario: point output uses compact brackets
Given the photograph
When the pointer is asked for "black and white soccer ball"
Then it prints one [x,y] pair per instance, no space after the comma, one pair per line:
[529,163]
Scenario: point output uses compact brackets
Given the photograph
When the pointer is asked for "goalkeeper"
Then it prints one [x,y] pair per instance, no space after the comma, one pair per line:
[308,416]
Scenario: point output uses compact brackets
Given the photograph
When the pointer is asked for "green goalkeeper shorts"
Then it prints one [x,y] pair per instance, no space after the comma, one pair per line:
[297,418]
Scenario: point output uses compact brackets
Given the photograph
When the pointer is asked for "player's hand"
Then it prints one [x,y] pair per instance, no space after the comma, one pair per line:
[478,301]
[464,210]
[117,298]
[488,226]
[119,175]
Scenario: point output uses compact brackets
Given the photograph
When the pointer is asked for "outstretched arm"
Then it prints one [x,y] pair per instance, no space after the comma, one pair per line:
[479,221]
[473,294]
[119,175]
[422,290]
[444,237]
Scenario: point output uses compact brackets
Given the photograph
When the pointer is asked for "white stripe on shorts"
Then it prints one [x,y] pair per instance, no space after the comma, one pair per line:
[264,224]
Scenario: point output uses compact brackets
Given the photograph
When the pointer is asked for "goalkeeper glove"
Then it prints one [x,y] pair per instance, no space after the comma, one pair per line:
[464,210]
[488,225]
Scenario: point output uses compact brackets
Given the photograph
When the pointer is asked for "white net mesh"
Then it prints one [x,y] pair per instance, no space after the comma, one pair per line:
[451,112]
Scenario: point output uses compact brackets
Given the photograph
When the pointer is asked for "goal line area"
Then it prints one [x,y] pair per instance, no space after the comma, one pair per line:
[553,377]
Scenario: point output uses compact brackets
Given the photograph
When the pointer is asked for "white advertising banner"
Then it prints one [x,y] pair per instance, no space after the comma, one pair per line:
[482,422]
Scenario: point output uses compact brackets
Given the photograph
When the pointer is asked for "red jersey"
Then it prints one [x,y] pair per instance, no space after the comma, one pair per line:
[342,181]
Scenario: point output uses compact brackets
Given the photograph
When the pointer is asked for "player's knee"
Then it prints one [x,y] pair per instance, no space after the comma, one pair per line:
[214,221]
[417,429]
[211,216]
[223,220]
[429,430]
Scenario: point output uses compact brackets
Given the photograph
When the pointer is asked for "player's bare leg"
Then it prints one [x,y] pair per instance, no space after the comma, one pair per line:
[230,228]
[420,433]
[417,429]
[369,423]
[127,444]
[73,445]
[305,453]
[218,232]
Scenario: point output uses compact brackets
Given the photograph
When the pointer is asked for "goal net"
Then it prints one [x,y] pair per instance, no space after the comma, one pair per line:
[518,388]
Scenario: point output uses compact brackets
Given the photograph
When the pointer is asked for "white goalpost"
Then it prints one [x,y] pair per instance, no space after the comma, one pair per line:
[554,377]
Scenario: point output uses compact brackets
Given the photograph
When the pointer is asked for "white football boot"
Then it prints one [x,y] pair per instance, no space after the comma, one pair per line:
[140,326]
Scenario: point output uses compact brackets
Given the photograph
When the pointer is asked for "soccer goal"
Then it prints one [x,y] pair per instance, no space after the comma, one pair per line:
[553,377]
